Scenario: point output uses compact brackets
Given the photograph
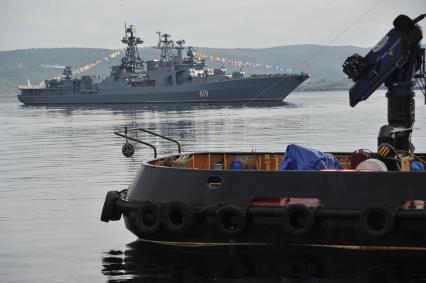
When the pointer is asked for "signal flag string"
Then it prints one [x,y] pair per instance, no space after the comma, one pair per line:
[240,64]
[198,55]
[94,64]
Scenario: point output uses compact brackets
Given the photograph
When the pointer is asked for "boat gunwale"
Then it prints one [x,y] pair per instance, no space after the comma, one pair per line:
[149,163]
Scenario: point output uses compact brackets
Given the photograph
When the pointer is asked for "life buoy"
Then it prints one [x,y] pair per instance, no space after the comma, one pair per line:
[231,220]
[297,219]
[128,149]
[377,221]
[178,217]
[148,218]
[109,210]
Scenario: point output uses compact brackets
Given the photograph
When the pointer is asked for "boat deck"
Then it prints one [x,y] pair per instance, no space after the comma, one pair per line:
[260,161]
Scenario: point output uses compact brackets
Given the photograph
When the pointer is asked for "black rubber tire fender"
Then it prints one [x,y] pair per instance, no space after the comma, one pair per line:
[386,216]
[148,218]
[178,217]
[109,210]
[231,220]
[290,219]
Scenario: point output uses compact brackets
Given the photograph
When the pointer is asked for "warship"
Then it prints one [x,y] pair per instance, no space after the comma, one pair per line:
[172,78]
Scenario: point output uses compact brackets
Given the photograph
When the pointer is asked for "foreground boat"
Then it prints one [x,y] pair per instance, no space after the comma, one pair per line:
[359,198]
[170,79]
[189,202]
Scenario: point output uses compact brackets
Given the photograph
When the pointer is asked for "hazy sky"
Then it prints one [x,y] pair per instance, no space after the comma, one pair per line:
[214,23]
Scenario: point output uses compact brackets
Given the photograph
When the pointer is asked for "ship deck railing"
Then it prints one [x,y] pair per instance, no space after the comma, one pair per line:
[31,87]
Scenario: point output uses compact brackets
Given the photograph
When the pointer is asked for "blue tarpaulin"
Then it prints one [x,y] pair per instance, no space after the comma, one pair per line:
[302,158]
[417,166]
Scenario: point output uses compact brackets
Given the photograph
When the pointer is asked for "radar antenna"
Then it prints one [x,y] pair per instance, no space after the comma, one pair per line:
[166,45]
[179,49]
[132,62]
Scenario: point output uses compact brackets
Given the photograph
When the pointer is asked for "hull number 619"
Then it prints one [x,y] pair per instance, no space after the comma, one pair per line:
[204,93]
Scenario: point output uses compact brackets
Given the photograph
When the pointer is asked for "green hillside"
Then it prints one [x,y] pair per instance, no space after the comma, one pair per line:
[17,66]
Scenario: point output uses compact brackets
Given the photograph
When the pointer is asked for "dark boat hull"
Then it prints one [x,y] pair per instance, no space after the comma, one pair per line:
[268,230]
[343,198]
[335,189]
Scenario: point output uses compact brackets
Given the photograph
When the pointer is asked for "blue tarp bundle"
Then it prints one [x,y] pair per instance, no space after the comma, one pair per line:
[302,158]
[417,166]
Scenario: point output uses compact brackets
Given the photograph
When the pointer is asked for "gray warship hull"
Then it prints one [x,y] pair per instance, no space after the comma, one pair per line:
[251,89]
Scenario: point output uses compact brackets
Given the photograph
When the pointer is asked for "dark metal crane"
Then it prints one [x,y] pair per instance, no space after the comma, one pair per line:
[394,61]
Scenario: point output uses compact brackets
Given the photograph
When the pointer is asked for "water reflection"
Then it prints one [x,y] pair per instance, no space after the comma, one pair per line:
[144,262]
[157,107]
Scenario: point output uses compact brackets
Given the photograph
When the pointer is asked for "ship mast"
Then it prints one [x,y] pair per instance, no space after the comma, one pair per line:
[132,62]
[179,49]
[166,45]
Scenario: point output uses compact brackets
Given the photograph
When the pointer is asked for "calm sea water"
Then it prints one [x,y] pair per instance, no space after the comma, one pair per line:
[57,163]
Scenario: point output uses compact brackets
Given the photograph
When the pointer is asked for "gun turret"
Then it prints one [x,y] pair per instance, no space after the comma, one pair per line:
[67,73]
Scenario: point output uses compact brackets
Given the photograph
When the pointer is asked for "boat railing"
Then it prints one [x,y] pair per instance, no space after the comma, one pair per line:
[124,134]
